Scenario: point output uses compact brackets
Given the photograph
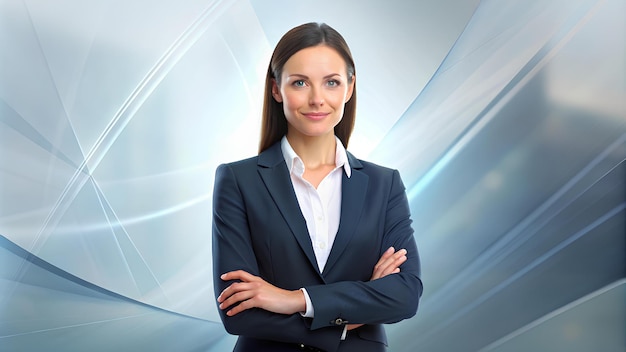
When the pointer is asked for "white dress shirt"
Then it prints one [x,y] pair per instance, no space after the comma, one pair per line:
[320,207]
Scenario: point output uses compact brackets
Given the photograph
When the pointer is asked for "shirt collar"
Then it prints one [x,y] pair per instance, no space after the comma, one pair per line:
[295,164]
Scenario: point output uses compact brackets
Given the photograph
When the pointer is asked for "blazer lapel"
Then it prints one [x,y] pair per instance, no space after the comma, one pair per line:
[275,175]
[353,191]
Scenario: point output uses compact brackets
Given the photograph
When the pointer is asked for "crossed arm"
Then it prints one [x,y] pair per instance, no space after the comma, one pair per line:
[253,292]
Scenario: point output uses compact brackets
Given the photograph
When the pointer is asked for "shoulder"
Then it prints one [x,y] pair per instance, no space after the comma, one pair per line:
[243,163]
[247,170]
[235,176]
[373,167]
[381,177]
[271,157]
[239,166]
[369,167]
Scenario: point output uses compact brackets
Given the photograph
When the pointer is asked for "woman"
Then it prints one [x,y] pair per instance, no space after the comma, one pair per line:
[312,248]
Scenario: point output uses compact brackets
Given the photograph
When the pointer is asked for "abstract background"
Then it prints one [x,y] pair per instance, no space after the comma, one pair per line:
[506,119]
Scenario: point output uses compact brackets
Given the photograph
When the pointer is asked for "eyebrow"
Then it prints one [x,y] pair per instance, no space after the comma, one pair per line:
[305,76]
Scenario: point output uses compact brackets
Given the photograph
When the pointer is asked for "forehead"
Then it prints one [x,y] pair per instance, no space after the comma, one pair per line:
[316,59]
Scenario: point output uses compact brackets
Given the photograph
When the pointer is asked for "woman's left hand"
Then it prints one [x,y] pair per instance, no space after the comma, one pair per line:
[252,291]
[389,263]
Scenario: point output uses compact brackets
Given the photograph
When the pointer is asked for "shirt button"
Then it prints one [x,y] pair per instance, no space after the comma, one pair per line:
[322,245]
[320,218]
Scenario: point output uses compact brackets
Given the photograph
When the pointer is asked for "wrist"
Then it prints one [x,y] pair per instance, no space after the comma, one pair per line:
[299,302]
[354,326]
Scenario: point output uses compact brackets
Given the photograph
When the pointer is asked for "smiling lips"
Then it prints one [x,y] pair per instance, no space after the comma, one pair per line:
[316,115]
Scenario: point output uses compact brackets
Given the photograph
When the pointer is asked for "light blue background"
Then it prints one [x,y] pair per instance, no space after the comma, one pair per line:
[506,119]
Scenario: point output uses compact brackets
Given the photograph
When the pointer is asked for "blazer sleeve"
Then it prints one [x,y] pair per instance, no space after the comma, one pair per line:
[386,300]
[233,250]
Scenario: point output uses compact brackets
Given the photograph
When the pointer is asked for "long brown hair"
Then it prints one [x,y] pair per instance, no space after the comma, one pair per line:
[274,123]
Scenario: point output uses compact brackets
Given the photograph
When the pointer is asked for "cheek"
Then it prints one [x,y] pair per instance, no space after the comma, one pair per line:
[336,98]
[293,101]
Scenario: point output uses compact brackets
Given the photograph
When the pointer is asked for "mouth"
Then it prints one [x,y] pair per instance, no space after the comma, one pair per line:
[316,115]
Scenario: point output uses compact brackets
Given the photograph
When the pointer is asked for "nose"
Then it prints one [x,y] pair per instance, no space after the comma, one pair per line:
[316,97]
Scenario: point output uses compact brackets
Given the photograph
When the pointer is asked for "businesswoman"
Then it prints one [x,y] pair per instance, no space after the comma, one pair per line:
[312,248]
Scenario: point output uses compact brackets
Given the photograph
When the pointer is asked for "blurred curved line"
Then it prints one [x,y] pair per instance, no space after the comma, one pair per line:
[22,215]
[436,73]
[73,326]
[57,152]
[127,221]
[553,314]
[33,259]
[113,223]
[128,109]
[512,239]
[102,201]
[136,219]
[541,58]
[239,70]
[520,273]
[446,58]
[500,247]
[15,121]
[492,256]
[203,167]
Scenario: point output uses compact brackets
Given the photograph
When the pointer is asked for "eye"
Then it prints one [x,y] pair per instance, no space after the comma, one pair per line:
[333,83]
[299,83]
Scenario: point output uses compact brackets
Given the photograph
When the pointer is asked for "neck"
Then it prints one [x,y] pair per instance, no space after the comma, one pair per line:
[314,151]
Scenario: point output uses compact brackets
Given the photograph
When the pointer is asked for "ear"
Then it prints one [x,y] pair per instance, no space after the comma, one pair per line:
[350,89]
[276,92]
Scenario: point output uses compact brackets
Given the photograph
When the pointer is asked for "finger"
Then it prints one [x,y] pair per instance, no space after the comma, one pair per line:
[398,257]
[234,288]
[389,269]
[247,304]
[383,259]
[387,260]
[389,256]
[388,253]
[380,270]
[238,275]
[395,261]
[389,265]
[236,299]
[395,265]
[400,252]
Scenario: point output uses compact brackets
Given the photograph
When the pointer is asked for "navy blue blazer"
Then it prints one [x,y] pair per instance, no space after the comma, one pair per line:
[258,227]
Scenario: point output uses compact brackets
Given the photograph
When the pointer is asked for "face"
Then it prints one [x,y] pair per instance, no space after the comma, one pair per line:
[314,88]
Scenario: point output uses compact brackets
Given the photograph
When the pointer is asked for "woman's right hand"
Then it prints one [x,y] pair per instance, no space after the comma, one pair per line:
[389,263]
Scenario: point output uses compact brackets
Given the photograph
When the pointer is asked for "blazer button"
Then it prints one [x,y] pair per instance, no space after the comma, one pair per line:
[339,321]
